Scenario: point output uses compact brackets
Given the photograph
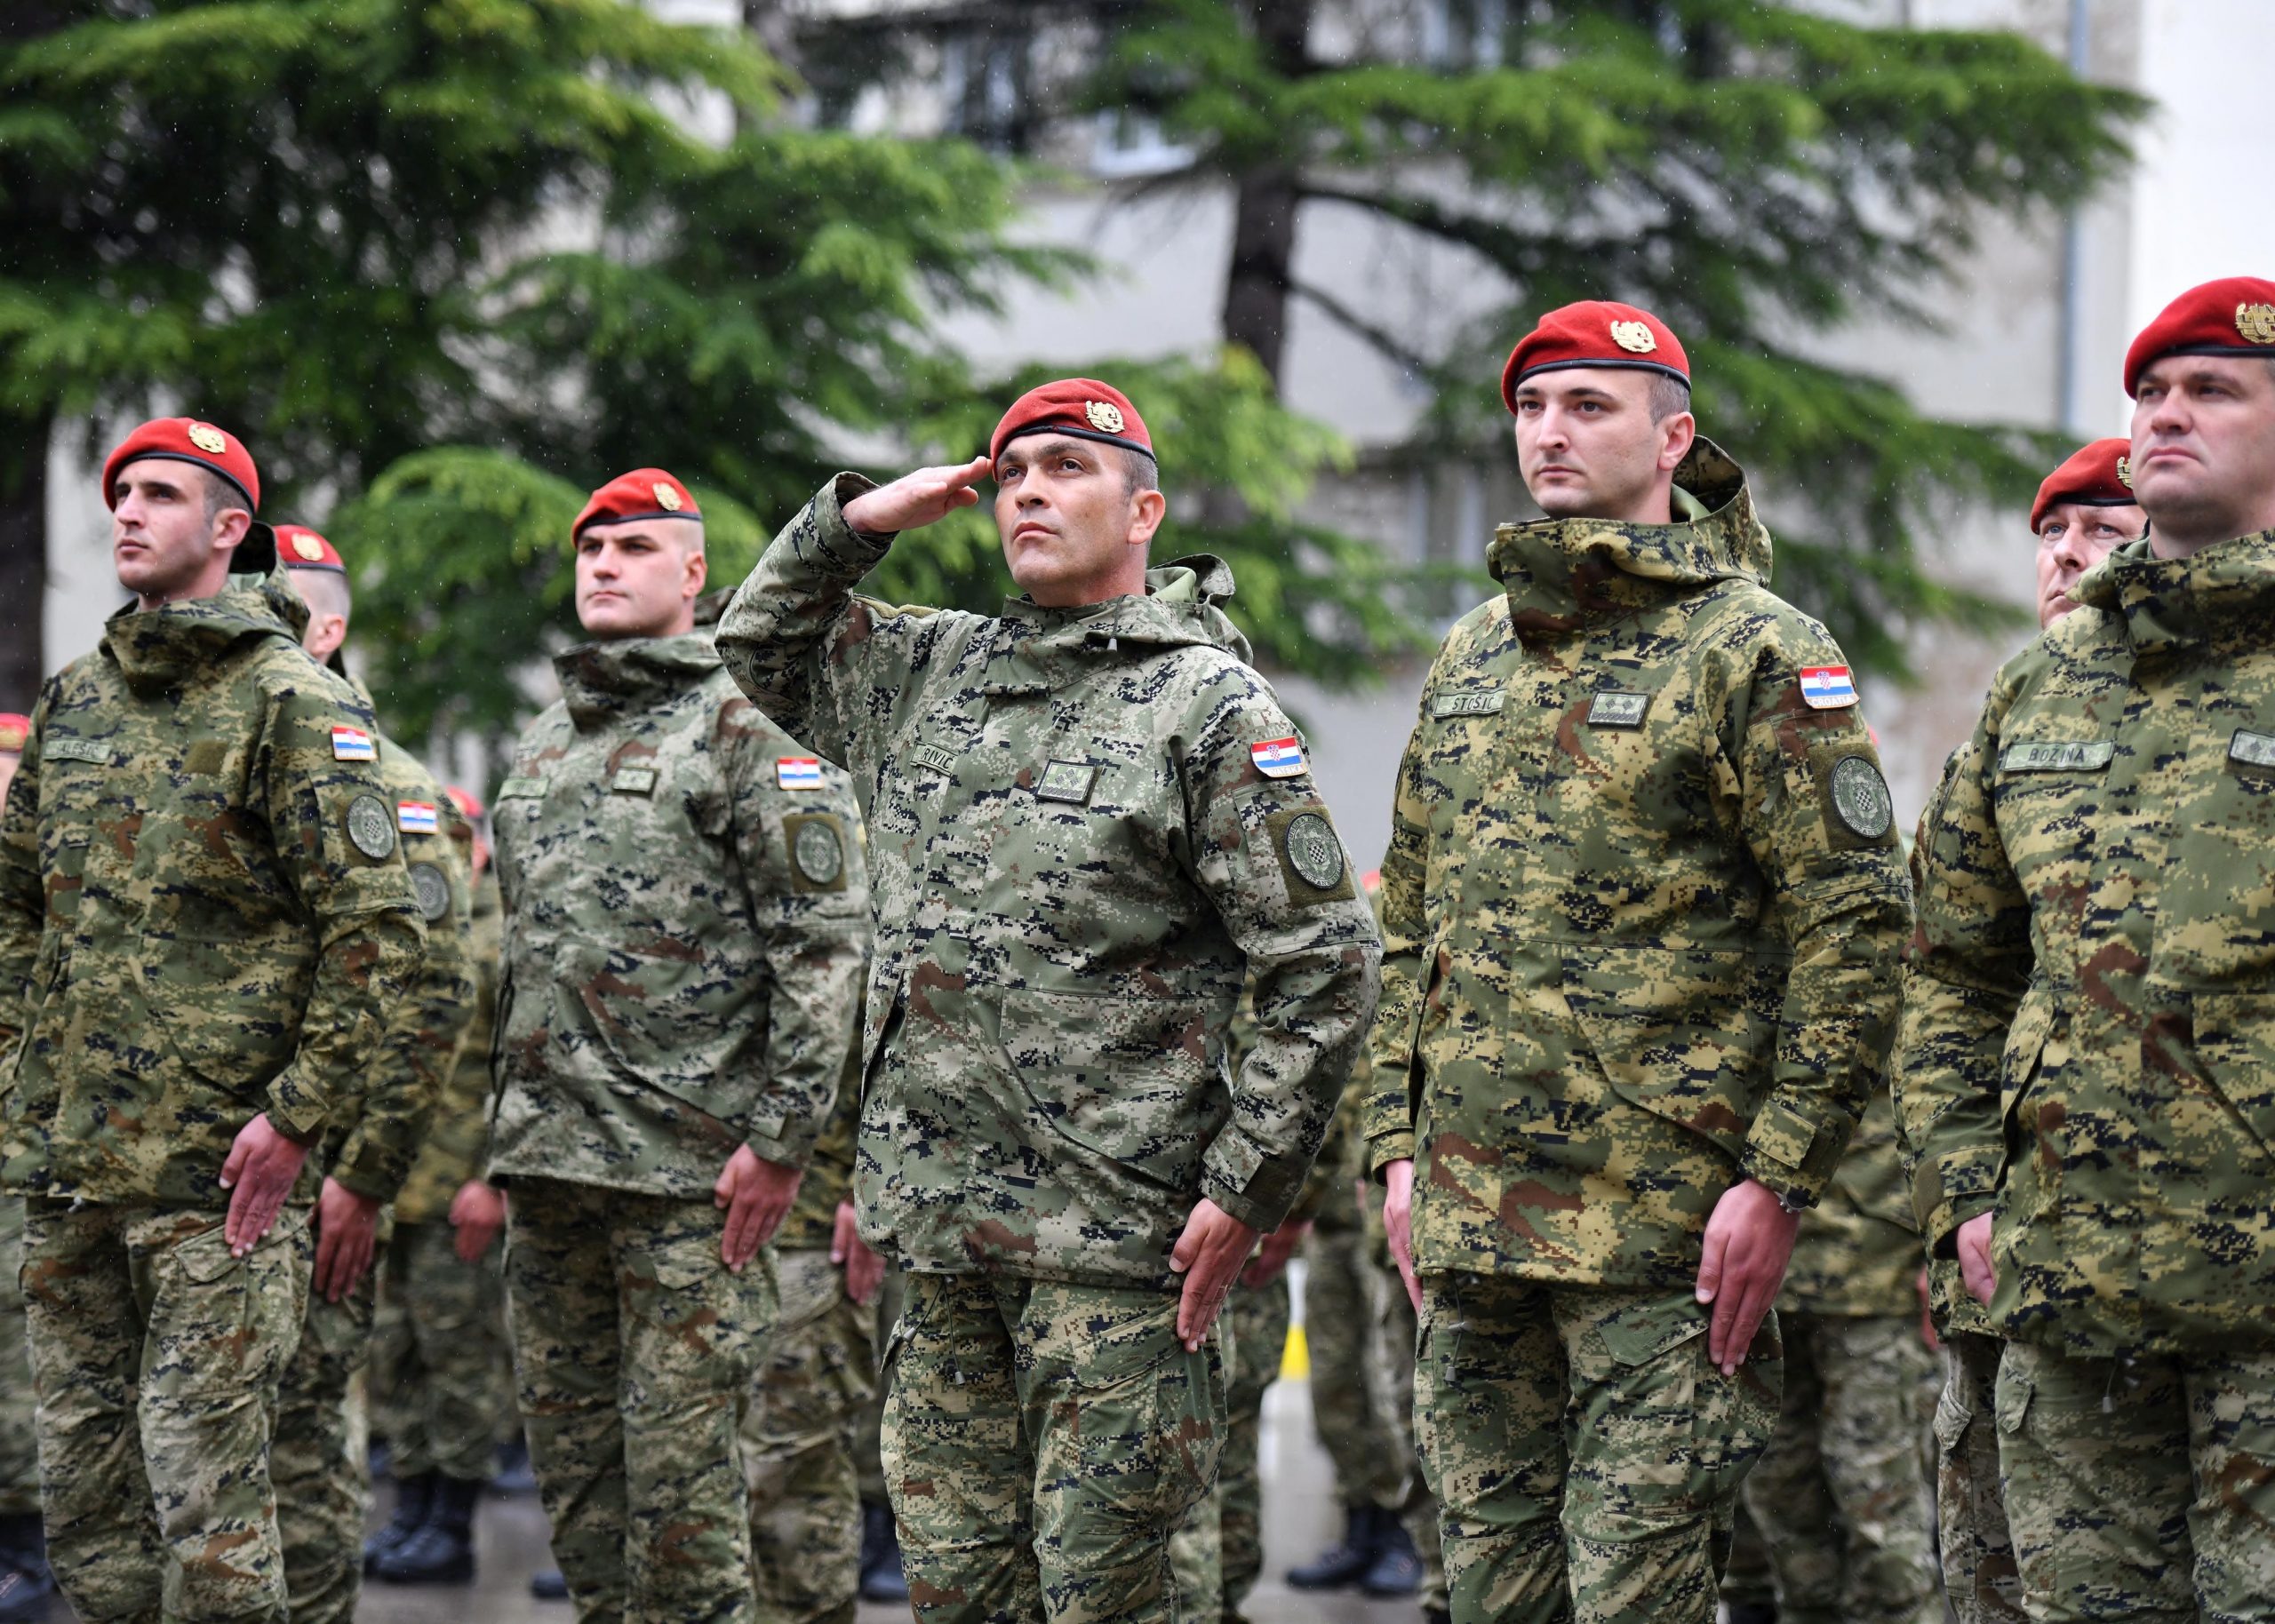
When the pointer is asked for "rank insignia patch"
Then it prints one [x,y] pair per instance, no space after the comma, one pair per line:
[1278,758]
[1612,709]
[798,772]
[1827,688]
[1067,780]
[632,781]
[416,817]
[353,745]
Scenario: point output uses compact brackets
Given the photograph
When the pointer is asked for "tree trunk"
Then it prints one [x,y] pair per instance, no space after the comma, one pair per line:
[1263,212]
[23,557]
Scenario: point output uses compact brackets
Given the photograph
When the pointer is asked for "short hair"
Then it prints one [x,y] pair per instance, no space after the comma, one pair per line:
[1669,395]
[325,591]
[1140,472]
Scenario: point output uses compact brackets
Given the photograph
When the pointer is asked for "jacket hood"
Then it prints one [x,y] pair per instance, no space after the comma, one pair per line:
[1558,572]
[2169,603]
[604,679]
[1046,648]
[178,640]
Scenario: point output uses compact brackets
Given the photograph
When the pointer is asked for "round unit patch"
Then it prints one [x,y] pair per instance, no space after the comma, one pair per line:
[1861,799]
[1313,852]
[371,825]
[434,890]
[817,853]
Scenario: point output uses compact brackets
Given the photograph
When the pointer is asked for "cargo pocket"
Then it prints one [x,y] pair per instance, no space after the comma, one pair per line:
[221,1325]
[1147,1420]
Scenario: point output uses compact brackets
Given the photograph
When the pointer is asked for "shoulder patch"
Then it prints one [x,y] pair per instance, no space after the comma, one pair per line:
[1278,758]
[353,745]
[370,829]
[433,890]
[1860,797]
[798,772]
[816,845]
[1827,688]
[1312,860]
[522,788]
[417,817]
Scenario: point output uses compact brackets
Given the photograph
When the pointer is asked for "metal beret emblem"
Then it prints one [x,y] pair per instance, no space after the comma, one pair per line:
[2125,472]
[433,890]
[1860,797]
[666,498]
[371,825]
[1313,852]
[1633,336]
[2256,322]
[816,852]
[208,439]
[307,547]
[1105,415]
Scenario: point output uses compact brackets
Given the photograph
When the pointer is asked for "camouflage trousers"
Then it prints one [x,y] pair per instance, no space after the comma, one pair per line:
[635,1350]
[1841,1496]
[1042,1442]
[19,1412]
[1391,1369]
[156,1357]
[1217,1551]
[438,1353]
[1980,1581]
[316,1463]
[869,1436]
[1586,1457]
[1372,1463]
[818,1378]
[2140,1488]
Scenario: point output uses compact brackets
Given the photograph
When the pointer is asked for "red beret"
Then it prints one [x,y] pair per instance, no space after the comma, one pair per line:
[15,728]
[301,548]
[186,439]
[1595,332]
[1082,407]
[465,801]
[2232,316]
[644,493]
[2099,475]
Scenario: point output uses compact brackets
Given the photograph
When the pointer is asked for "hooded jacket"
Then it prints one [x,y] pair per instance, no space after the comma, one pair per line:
[1087,827]
[1642,903]
[204,910]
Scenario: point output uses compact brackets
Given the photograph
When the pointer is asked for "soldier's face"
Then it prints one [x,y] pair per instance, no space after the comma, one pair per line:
[1073,531]
[2071,539]
[2203,454]
[641,578]
[1588,449]
[163,542]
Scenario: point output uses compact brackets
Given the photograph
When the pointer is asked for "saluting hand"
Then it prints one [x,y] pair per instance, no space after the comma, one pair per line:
[1749,1242]
[1209,1253]
[864,1269]
[917,499]
[756,1194]
[262,1168]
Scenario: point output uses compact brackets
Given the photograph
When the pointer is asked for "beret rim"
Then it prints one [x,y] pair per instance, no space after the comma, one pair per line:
[159,453]
[690,514]
[1078,434]
[1637,365]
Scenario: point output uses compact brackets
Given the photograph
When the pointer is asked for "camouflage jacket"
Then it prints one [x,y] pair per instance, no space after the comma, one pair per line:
[1858,1254]
[2089,1026]
[205,908]
[457,1144]
[685,920]
[812,1222]
[1642,907]
[1078,860]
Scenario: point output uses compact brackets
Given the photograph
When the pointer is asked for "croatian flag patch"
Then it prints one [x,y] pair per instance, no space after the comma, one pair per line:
[415,817]
[798,772]
[352,744]
[1277,758]
[1827,688]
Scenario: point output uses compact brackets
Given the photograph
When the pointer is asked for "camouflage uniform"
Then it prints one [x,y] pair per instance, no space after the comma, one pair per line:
[18,1413]
[684,929]
[1841,1497]
[1078,859]
[203,908]
[1641,910]
[320,1475]
[2086,1040]
[1397,1337]
[1341,1285]
[1217,1551]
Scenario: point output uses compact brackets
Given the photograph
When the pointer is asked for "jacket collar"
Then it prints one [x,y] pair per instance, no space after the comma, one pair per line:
[1038,649]
[177,642]
[600,681]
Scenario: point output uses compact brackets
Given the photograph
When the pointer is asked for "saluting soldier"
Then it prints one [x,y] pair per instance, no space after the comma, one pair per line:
[2090,1013]
[1091,824]
[1642,910]
[206,931]
[686,917]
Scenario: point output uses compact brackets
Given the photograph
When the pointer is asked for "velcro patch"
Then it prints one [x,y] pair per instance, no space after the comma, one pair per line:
[1278,758]
[1827,688]
[1067,781]
[1613,709]
[63,747]
[1312,860]
[2251,748]
[416,817]
[521,789]
[369,829]
[1860,797]
[632,781]
[817,851]
[2061,755]
[1472,702]
[353,745]
[932,756]
[797,773]
[433,890]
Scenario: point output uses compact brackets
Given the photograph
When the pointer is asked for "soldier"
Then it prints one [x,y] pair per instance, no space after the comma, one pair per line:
[25,1581]
[1091,824]
[2085,508]
[323,1487]
[440,1338]
[206,928]
[2086,1033]
[686,915]
[1641,909]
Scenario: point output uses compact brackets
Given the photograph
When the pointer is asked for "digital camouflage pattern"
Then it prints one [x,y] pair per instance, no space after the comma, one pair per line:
[2090,1006]
[1858,1252]
[636,1348]
[1397,1339]
[1077,861]
[1980,1581]
[18,1409]
[1340,1288]
[438,1352]
[456,1143]
[684,935]
[1841,1496]
[1642,906]
[1217,1551]
[316,1461]
[1042,1440]
[203,909]
[156,1356]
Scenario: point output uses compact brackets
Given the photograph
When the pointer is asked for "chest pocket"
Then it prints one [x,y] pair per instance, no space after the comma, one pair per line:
[1627,770]
[2049,792]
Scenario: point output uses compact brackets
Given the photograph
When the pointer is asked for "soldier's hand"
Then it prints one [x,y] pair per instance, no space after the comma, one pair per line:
[477,1213]
[347,1233]
[917,499]
[1273,1255]
[262,1168]
[1209,1253]
[1398,1223]
[1974,1269]
[864,1268]
[1749,1242]
[756,1195]
[1928,1315]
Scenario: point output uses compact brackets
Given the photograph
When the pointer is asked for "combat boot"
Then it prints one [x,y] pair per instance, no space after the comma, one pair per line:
[441,1550]
[1347,1563]
[414,1500]
[882,1580]
[1397,1567]
[26,1584]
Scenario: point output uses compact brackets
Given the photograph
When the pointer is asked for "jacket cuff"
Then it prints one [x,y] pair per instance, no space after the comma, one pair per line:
[1791,1152]
[784,1141]
[296,1111]
[1949,1190]
[1255,1188]
[1384,1149]
[858,549]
